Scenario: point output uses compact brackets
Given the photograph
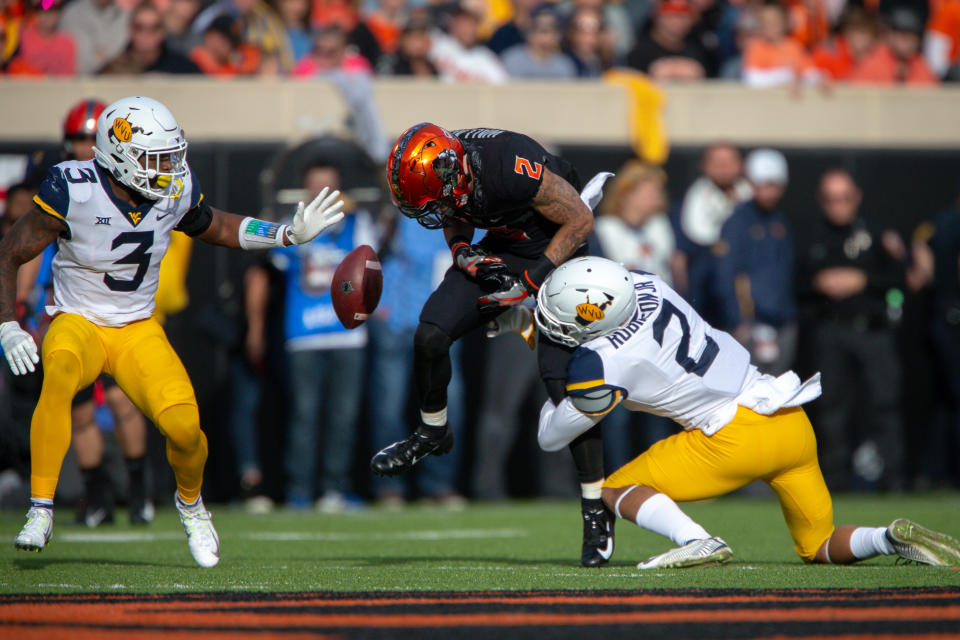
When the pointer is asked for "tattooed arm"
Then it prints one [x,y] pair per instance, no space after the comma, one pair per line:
[25,240]
[559,202]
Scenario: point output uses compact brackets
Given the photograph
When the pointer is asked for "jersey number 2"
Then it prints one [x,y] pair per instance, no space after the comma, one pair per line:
[526,168]
[710,349]
[139,257]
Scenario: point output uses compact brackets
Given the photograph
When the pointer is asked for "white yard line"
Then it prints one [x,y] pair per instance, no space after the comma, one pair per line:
[298,536]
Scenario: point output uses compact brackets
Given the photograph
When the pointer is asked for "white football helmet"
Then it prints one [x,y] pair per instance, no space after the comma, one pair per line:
[585,298]
[141,145]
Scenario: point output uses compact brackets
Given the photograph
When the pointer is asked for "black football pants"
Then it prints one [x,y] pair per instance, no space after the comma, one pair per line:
[450,312]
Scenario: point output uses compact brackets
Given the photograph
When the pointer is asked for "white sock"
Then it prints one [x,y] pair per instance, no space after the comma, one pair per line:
[435,419]
[591,490]
[866,542]
[661,515]
[41,502]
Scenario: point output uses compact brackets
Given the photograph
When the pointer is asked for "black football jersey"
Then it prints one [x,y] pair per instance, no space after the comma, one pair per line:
[507,169]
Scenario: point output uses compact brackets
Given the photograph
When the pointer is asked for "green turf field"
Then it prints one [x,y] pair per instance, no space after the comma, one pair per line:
[517,545]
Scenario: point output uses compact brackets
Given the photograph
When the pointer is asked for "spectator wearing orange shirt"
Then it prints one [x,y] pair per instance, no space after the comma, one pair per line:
[260,27]
[897,60]
[841,54]
[941,46]
[808,22]
[44,46]
[772,58]
[386,23]
[222,51]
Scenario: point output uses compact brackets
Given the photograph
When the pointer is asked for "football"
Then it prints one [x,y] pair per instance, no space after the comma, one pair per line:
[356,286]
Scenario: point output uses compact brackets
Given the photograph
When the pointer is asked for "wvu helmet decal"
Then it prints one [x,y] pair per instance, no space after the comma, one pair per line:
[122,130]
[588,312]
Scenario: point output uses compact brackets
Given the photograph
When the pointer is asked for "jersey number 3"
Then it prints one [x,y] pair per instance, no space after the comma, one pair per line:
[139,257]
[526,168]
[710,349]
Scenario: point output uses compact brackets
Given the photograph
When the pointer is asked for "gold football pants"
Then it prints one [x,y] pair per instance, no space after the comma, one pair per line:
[75,352]
[780,449]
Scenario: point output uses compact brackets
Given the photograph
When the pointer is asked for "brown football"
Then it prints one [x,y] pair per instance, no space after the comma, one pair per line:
[356,286]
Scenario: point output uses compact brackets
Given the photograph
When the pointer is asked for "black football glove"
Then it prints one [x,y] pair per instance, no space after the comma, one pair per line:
[471,258]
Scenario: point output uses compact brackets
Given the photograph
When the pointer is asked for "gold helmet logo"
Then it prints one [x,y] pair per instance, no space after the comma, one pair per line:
[122,130]
[588,312]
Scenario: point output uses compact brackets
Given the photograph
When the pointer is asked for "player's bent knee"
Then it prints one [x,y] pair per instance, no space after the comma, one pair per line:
[180,425]
[609,495]
[62,369]
[431,341]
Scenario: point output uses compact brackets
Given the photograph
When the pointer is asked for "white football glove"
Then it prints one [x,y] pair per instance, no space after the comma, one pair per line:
[310,221]
[518,320]
[19,347]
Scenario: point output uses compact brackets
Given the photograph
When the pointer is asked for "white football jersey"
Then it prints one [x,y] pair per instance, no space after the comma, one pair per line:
[108,261]
[667,361]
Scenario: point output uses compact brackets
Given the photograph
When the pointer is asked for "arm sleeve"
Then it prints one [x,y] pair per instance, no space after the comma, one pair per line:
[196,220]
[199,215]
[53,197]
[561,425]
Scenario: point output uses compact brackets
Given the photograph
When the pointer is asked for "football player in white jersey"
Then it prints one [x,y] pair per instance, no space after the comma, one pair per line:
[112,218]
[641,345]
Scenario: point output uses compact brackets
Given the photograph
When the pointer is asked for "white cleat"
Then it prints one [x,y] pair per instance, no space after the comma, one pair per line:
[37,532]
[693,554]
[201,536]
[913,542]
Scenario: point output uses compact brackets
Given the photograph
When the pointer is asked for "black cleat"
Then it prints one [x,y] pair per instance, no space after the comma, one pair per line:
[401,456]
[597,533]
[141,511]
[94,513]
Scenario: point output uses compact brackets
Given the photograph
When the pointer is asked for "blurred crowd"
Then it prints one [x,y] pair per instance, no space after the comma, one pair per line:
[756,42]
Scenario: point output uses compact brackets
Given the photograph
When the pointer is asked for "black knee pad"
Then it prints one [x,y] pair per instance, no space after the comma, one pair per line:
[430,341]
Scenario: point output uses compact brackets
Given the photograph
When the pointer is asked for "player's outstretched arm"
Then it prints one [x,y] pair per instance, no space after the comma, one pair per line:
[240,232]
[559,202]
[28,237]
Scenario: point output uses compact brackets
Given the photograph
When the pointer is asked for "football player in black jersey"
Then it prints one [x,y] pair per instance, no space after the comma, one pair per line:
[528,201]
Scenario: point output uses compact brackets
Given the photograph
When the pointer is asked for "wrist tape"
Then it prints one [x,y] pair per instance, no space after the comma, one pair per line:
[260,234]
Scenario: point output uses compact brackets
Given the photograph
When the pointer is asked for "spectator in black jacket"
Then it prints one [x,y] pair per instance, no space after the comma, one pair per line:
[413,49]
[668,51]
[846,273]
[147,51]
